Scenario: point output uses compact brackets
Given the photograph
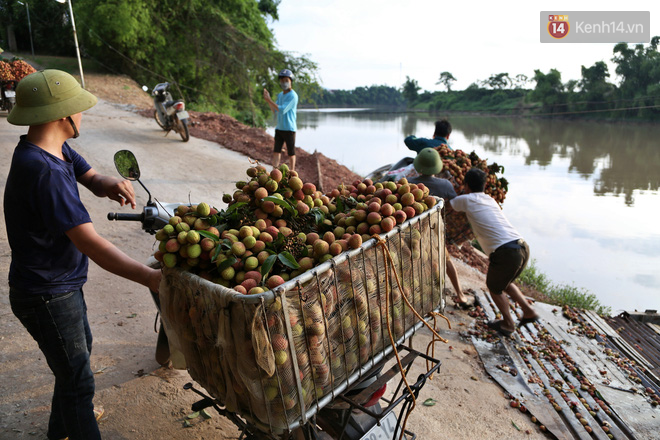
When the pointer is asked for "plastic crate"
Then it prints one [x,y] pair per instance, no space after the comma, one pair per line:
[276,358]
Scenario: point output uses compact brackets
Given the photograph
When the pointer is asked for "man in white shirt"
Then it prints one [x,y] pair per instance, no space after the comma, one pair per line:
[507,252]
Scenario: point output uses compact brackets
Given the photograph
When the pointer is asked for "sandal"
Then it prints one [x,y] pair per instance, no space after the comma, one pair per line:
[525,321]
[463,305]
[497,326]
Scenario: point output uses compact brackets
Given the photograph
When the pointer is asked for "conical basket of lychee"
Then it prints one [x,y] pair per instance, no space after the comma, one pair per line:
[283,297]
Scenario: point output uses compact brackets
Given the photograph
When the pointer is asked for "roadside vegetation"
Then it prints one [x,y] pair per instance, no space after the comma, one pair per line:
[560,294]
[218,55]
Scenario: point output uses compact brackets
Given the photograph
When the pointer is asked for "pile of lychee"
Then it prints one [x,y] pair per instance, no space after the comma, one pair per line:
[276,227]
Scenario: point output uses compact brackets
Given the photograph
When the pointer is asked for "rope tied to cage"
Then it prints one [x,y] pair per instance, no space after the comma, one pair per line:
[389,263]
[431,346]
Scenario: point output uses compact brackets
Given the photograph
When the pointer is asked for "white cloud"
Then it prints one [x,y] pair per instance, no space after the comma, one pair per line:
[364,42]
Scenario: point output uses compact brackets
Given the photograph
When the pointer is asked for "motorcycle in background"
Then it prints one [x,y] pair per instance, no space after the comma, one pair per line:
[7,95]
[168,113]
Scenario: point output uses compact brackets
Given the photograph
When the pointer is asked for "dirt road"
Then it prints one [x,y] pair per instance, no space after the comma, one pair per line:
[143,401]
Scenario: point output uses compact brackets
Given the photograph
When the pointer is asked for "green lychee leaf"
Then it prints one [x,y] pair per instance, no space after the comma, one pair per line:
[283,203]
[235,206]
[319,216]
[268,265]
[287,259]
[207,234]
[429,402]
[278,241]
[218,249]
[340,204]
[304,252]
[226,263]
[226,244]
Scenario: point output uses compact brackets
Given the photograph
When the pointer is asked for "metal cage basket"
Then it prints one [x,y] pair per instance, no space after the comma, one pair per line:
[276,358]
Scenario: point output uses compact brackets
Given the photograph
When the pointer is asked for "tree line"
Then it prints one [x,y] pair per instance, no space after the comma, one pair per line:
[220,55]
[595,94]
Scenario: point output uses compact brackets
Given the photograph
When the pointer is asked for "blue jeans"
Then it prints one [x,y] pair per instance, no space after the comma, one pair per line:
[59,325]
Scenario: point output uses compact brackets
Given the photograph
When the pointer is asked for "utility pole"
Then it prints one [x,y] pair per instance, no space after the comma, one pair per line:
[27,7]
[75,39]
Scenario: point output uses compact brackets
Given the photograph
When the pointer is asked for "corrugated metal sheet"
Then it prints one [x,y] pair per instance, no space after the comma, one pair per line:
[644,337]
[574,373]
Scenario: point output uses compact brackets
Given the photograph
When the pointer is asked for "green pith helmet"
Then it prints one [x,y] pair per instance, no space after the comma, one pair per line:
[47,96]
[428,162]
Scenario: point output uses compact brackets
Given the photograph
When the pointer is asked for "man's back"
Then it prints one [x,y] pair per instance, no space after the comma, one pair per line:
[437,187]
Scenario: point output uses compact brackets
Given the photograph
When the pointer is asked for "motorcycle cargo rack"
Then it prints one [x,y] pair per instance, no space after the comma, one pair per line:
[277,358]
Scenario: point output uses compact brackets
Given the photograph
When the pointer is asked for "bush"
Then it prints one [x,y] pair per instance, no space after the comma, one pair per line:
[577,297]
[534,278]
[561,294]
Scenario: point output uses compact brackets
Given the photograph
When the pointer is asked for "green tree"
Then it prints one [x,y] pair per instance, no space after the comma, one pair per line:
[498,81]
[51,28]
[219,54]
[594,86]
[520,81]
[410,89]
[549,89]
[446,79]
[639,70]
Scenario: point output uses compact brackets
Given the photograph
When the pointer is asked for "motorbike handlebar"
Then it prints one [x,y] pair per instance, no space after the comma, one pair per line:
[125,217]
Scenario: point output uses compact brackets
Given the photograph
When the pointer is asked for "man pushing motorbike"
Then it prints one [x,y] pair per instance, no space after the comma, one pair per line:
[51,237]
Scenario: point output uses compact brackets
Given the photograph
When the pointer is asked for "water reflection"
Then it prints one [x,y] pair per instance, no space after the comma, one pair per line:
[569,182]
[626,155]
[629,154]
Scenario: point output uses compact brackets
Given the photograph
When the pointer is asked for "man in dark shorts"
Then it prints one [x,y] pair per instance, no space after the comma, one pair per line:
[427,163]
[285,108]
[507,252]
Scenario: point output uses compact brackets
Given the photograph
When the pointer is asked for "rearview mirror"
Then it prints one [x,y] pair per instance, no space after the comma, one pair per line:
[127,165]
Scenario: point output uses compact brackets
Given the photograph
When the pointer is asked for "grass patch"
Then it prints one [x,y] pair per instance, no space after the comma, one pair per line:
[561,294]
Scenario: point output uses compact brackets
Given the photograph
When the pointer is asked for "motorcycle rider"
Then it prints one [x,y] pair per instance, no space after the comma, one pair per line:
[51,237]
[285,108]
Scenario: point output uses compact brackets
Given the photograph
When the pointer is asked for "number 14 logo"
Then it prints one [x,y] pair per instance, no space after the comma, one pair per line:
[558,29]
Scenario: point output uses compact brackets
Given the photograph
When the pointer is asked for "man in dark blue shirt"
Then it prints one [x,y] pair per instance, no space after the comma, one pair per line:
[440,136]
[51,237]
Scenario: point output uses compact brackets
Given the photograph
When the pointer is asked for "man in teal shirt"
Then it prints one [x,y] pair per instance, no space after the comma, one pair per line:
[285,108]
[440,136]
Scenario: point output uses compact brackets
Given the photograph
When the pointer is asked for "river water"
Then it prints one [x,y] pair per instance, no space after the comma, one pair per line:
[585,195]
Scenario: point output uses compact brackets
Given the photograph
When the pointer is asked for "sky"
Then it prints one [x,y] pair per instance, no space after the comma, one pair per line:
[381,42]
